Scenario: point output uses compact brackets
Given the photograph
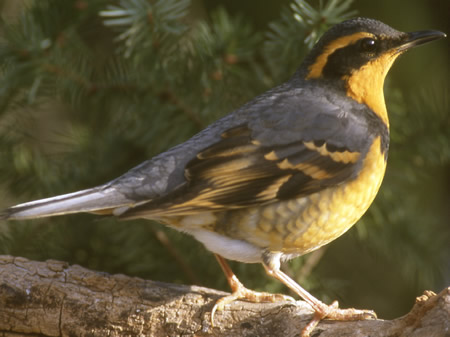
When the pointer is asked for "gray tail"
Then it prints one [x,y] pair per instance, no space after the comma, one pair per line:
[95,200]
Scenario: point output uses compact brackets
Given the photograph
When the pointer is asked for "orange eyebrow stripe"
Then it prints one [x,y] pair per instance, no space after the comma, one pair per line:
[316,69]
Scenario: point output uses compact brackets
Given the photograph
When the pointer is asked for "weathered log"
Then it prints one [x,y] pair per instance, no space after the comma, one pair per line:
[54,299]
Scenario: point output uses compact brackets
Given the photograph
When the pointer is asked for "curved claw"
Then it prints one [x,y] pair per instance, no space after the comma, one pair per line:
[221,303]
[333,312]
[239,292]
[242,293]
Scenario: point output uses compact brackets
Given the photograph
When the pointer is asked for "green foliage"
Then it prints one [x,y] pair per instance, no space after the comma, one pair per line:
[300,25]
[89,89]
[146,27]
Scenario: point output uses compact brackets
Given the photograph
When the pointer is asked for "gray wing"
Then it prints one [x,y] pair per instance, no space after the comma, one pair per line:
[294,146]
[280,145]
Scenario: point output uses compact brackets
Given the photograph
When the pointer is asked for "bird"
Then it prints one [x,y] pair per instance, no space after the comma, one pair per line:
[281,176]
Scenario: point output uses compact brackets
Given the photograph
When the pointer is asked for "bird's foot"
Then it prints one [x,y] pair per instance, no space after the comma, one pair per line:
[333,312]
[240,292]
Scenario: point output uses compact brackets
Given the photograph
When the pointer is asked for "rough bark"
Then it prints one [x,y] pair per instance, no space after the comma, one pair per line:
[54,299]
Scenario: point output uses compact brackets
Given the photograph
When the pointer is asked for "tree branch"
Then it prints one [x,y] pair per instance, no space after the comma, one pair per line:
[54,299]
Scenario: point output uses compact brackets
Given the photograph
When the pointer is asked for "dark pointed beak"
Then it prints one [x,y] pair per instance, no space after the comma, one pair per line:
[414,39]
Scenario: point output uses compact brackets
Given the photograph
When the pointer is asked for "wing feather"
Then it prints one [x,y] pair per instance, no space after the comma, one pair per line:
[240,171]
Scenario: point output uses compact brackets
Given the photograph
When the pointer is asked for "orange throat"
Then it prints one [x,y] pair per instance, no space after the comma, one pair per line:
[365,85]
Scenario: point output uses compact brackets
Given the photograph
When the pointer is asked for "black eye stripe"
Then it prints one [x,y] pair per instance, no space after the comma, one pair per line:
[353,56]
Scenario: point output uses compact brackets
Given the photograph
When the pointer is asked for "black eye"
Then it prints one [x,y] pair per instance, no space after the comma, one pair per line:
[368,45]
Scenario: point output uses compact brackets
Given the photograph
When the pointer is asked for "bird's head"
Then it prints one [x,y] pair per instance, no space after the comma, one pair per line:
[359,53]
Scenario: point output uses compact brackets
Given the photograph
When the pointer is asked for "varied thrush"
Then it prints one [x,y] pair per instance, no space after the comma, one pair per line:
[281,176]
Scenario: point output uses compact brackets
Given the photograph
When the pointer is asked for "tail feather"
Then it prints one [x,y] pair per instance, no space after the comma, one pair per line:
[95,200]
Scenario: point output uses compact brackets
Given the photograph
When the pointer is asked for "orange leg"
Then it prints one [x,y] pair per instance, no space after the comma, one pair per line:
[272,268]
[239,292]
[321,309]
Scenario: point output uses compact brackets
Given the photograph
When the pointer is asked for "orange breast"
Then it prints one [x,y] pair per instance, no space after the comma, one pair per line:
[302,225]
[295,226]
